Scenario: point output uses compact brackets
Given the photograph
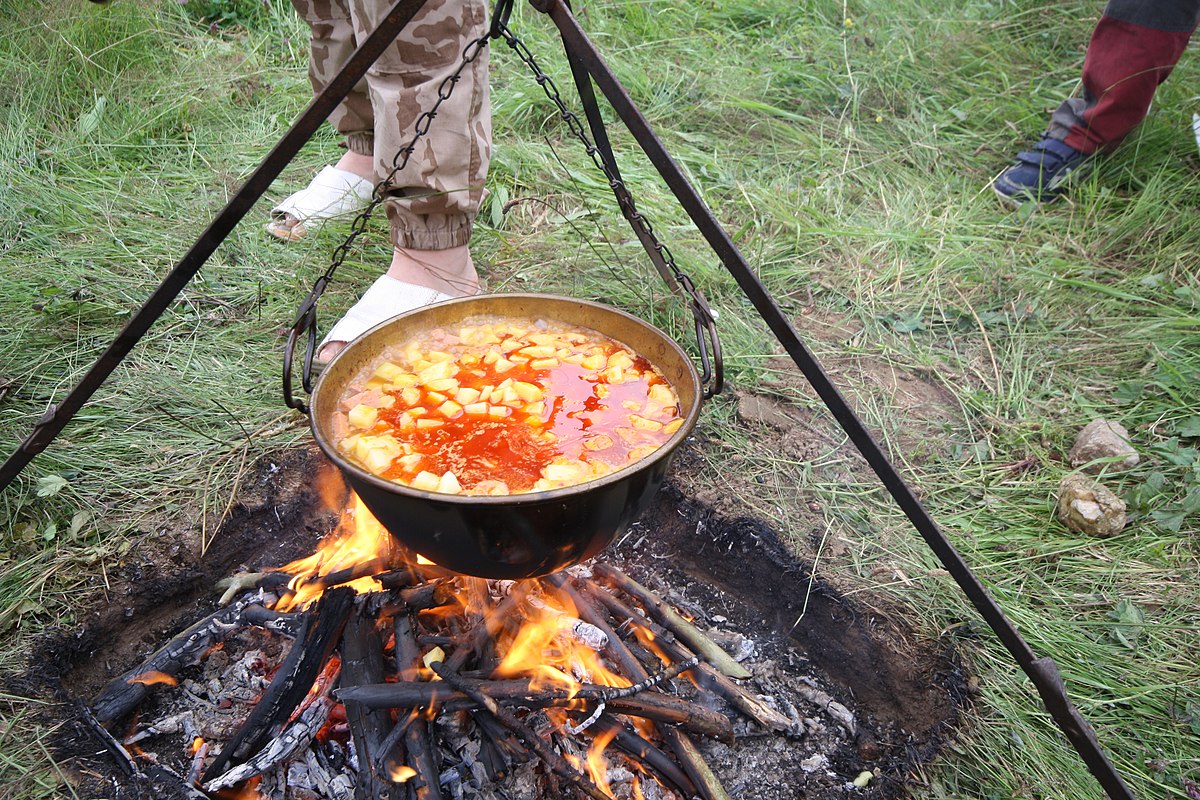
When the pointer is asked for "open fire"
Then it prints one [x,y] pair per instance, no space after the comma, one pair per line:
[363,671]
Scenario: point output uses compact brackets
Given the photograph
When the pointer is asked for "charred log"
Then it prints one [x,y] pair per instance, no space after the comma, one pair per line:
[123,694]
[362,662]
[417,739]
[314,644]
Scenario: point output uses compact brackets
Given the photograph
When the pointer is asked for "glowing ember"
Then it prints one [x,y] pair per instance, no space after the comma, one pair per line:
[154,677]
[401,773]
[248,791]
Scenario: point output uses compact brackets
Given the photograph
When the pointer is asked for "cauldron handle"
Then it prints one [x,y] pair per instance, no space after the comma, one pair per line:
[712,364]
[305,324]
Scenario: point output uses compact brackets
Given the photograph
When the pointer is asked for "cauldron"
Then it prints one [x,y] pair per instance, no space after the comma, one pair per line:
[521,535]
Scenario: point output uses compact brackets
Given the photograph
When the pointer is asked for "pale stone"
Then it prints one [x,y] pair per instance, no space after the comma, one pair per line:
[1105,440]
[1088,507]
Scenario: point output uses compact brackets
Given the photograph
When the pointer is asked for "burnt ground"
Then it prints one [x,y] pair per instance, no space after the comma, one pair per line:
[732,572]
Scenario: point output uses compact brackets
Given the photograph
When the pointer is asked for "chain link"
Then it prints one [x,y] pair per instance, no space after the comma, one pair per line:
[704,317]
[624,200]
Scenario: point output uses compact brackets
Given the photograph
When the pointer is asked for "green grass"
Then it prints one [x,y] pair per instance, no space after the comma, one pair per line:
[845,146]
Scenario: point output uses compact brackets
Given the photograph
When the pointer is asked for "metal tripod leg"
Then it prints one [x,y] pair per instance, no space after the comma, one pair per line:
[1042,671]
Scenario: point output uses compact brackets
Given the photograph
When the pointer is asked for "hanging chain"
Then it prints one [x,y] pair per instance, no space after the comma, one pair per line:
[576,125]
[306,316]
[705,317]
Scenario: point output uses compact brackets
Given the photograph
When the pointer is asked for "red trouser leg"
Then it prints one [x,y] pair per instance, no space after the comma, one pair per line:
[1125,64]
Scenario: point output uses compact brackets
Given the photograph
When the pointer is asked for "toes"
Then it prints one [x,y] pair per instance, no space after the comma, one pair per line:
[329,350]
[287,228]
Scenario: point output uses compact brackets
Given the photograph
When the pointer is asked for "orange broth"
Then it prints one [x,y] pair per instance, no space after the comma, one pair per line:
[505,407]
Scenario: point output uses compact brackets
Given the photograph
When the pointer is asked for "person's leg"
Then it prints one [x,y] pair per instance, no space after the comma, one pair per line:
[433,201]
[1133,49]
[332,41]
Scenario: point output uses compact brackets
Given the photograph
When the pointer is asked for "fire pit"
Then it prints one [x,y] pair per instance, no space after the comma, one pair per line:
[676,665]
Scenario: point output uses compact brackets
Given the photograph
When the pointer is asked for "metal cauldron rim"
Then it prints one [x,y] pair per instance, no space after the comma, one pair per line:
[523,498]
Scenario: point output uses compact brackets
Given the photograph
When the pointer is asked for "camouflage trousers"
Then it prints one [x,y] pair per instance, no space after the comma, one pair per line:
[433,201]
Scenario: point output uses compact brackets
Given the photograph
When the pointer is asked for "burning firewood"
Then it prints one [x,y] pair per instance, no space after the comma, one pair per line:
[286,744]
[447,680]
[319,636]
[710,678]
[673,621]
[417,739]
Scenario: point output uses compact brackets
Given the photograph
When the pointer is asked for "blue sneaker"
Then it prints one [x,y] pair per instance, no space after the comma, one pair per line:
[1042,173]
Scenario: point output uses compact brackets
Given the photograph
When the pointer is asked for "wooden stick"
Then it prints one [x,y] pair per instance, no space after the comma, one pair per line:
[523,732]
[498,745]
[433,594]
[274,581]
[283,623]
[707,784]
[689,633]
[649,705]
[708,677]
[417,739]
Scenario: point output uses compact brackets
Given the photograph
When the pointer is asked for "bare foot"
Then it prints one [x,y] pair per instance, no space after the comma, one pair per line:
[450,272]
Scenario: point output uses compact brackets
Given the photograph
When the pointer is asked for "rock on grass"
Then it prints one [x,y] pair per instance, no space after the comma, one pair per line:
[1088,507]
[1107,444]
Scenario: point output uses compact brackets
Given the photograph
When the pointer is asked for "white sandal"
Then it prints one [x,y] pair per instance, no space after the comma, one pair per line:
[387,298]
[332,193]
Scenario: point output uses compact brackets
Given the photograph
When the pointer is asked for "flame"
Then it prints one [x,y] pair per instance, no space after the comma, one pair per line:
[597,765]
[548,650]
[197,743]
[545,651]
[359,539]
[401,773]
[152,677]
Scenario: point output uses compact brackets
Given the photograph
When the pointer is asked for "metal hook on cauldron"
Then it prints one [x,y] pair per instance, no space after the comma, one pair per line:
[305,324]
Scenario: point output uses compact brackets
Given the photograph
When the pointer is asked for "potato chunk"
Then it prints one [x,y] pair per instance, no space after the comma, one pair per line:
[388,371]
[448,484]
[601,441]
[363,416]
[437,372]
[425,481]
[466,395]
